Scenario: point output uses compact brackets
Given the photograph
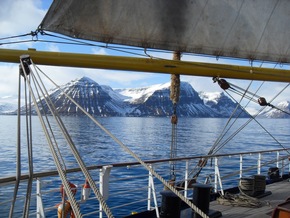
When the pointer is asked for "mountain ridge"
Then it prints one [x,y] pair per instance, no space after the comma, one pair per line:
[102,100]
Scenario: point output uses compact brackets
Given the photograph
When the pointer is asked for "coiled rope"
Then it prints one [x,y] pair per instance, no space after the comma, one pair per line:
[241,200]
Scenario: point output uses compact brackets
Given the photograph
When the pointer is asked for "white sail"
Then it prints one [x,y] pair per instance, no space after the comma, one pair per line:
[255,30]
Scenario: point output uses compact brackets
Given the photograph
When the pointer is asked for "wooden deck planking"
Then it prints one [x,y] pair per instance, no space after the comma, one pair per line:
[280,192]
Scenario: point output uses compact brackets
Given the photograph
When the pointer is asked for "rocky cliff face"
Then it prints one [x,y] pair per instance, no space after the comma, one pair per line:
[221,104]
[89,95]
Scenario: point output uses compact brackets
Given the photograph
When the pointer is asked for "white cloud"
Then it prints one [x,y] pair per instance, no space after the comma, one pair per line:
[100,51]
[53,47]
[9,79]
[20,16]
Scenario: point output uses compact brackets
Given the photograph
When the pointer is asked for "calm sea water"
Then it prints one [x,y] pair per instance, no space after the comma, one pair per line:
[149,138]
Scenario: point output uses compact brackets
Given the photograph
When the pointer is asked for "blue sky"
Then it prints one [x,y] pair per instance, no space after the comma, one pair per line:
[23,16]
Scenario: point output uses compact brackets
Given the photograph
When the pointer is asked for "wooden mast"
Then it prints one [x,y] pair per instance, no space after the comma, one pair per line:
[174,96]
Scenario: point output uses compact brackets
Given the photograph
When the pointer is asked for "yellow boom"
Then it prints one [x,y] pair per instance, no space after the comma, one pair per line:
[146,65]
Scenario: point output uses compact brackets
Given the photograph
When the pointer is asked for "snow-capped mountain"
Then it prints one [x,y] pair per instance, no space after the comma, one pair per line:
[95,99]
[7,107]
[8,104]
[154,100]
[221,104]
[279,111]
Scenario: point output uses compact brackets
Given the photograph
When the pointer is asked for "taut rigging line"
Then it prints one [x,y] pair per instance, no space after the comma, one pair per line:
[27,73]
[56,154]
[225,85]
[23,68]
[34,84]
[128,150]
[218,145]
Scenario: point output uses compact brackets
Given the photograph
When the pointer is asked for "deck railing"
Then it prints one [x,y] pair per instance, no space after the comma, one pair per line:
[129,188]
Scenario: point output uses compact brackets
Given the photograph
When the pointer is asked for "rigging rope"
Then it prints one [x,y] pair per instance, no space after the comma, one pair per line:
[252,116]
[218,145]
[202,163]
[215,147]
[17,36]
[18,152]
[56,148]
[238,90]
[174,96]
[62,175]
[75,152]
[29,151]
[146,166]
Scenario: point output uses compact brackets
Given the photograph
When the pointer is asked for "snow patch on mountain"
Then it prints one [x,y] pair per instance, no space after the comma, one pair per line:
[133,95]
[282,110]
[113,93]
[210,98]
[222,104]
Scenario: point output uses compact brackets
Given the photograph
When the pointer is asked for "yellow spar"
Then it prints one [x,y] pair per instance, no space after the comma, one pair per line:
[146,65]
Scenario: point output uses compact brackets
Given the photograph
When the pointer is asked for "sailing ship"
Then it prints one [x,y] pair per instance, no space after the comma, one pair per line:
[249,30]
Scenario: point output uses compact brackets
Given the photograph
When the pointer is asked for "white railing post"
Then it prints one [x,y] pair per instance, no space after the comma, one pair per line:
[39,204]
[151,190]
[186,178]
[241,165]
[104,185]
[278,156]
[289,164]
[217,177]
[259,164]
[282,167]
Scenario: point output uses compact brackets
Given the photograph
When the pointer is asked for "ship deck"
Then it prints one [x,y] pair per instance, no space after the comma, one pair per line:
[277,193]
[280,191]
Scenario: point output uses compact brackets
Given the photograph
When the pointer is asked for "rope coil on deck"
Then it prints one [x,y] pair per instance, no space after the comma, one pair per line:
[249,188]
[239,200]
